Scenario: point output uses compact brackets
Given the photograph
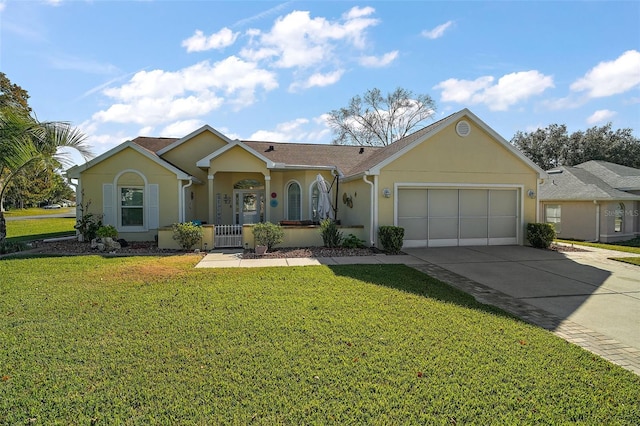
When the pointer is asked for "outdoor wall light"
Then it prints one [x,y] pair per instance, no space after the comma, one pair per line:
[531,193]
[386,192]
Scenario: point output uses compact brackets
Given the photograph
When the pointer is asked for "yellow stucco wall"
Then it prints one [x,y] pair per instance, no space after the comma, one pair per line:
[189,152]
[360,211]
[477,159]
[92,181]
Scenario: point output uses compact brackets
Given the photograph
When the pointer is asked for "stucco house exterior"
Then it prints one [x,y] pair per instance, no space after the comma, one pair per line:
[592,201]
[455,182]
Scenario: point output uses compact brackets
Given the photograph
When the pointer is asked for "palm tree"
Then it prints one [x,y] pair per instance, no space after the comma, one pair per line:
[25,141]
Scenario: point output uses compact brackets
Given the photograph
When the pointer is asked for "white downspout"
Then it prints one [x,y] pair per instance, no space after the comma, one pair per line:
[182,214]
[597,220]
[371,218]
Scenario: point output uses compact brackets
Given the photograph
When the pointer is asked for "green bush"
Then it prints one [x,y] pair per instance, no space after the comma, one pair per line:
[88,226]
[107,231]
[187,234]
[331,236]
[391,238]
[351,241]
[540,235]
[7,247]
[268,234]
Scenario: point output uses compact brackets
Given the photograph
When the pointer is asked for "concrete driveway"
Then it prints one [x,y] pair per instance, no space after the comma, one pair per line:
[584,287]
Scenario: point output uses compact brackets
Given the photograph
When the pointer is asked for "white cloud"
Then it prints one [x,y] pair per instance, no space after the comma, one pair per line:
[198,42]
[181,128]
[378,62]
[438,31]
[318,80]
[601,116]
[304,130]
[157,96]
[509,90]
[3,4]
[611,78]
[297,40]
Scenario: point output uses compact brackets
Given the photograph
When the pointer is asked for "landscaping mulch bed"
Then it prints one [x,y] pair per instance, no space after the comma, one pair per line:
[150,248]
[563,248]
[76,247]
[277,253]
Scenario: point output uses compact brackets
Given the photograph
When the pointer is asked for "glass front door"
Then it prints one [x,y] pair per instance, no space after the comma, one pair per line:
[248,206]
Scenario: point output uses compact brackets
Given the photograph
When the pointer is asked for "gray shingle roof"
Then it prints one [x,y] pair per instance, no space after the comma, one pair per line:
[575,183]
[616,175]
[344,157]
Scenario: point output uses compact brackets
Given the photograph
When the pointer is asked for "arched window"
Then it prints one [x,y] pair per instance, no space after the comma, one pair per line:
[294,201]
[618,223]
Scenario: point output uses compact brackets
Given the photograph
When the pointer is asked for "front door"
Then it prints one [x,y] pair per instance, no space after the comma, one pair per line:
[248,206]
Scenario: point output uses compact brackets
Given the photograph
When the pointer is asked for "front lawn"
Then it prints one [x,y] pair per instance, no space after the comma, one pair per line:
[37,229]
[36,211]
[630,246]
[143,340]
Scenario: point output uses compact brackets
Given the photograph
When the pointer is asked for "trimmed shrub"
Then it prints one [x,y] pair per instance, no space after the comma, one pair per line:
[107,231]
[540,235]
[391,238]
[268,234]
[187,234]
[331,236]
[351,241]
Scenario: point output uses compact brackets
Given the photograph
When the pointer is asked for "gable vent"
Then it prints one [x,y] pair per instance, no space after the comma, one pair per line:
[463,128]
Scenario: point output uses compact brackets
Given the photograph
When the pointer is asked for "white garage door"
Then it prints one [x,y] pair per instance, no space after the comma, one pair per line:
[434,217]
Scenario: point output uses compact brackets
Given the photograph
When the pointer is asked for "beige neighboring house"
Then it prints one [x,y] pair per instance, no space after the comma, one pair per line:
[455,182]
[593,201]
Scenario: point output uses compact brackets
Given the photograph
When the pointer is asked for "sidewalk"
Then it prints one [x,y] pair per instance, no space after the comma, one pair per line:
[233,259]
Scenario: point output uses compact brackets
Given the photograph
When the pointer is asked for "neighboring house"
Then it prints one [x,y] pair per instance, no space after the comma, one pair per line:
[593,201]
[455,182]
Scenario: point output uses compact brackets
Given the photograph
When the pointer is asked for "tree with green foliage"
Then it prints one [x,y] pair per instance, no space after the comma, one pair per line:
[553,146]
[377,120]
[26,141]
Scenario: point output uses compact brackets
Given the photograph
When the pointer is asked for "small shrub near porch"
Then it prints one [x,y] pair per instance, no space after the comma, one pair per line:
[268,234]
[187,234]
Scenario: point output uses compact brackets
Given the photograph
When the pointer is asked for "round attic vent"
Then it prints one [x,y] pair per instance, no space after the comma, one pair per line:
[463,128]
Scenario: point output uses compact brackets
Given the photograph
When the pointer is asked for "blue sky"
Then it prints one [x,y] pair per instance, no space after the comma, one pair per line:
[266,70]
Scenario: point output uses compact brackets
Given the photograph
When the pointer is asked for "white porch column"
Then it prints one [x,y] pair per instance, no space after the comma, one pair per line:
[211,200]
[267,198]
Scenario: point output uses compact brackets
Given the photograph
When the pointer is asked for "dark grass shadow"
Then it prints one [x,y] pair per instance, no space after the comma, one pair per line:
[409,280]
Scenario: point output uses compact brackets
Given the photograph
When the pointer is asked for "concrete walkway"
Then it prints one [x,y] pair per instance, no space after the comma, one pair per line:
[583,297]
[233,259]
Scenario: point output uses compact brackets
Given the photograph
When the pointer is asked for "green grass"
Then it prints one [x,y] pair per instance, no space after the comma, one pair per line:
[631,246]
[145,340]
[631,260]
[36,211]
[37,229]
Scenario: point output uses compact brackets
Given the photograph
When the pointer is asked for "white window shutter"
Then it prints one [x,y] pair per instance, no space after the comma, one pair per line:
[108,217]
[153,207]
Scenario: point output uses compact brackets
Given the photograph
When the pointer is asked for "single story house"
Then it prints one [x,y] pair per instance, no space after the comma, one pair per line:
[593,201]
[454,182]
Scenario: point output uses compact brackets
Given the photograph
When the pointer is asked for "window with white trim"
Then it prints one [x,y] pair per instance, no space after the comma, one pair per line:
[553,215]
[132,206]
[294,201]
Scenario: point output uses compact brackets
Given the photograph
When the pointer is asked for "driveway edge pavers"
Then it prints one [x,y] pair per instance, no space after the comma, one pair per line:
[597,343]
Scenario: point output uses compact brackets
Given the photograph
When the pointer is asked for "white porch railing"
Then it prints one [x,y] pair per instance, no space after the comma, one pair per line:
[227,236]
